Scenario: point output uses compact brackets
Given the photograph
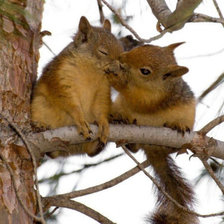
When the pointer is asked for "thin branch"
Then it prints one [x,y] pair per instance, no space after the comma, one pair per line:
[212,124]
[214,85]
[29,213]
[212,174]
[198,17]
[103,186]
[66,203]
[29,148]
[131,29]
[51,213]
[100,7]
[218,10]
[85,166]
[46,45]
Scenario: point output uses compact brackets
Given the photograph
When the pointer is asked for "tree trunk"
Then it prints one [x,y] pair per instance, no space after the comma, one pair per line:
[20,23]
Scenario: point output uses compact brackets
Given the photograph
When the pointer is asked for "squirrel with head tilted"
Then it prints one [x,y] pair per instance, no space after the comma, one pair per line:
[151,92]
[73,88]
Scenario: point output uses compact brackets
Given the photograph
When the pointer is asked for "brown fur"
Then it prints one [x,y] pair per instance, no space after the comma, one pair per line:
[159,98]
[73,89]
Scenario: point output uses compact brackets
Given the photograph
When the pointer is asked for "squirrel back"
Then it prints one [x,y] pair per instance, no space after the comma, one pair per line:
[151,92]
[73,89]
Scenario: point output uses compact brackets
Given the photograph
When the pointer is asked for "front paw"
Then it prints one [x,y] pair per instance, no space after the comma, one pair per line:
[84,130]
[103,131]
[118,119]
[178,127]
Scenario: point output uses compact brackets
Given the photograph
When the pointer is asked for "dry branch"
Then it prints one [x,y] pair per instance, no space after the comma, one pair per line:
[61,202]
[103,186]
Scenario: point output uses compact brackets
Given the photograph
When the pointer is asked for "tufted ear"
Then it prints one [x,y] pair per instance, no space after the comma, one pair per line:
[174,71]
[107,25]
[84,25]
[172,47]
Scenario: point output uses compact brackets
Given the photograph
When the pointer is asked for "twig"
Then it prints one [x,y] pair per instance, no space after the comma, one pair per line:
[212,124]
[51,213]
[131,29]
[27,144]
[100,7]
[66,203]
[46,45]
[103,186]
[16,191]
[198,17]
[165,194]
[85,166]
[218,10]
[215,84]
[212,174]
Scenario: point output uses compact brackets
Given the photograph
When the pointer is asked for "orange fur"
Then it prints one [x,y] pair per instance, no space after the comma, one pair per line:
[152,92]
[73,89]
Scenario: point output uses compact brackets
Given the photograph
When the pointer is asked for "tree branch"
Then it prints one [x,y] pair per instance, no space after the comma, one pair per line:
[100,7]
[66,137]
[212,124]
[218,10]
[198,17]
[176,19]
[66,203]
[103,186]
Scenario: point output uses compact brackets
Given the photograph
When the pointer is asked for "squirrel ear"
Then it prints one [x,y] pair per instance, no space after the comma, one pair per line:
[84,25]
[174,46]
[175,71]
[107,25]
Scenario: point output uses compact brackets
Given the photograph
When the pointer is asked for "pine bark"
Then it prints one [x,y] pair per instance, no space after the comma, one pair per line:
[20,23]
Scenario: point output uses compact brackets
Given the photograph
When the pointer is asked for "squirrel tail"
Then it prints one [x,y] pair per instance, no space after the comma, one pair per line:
[169,176]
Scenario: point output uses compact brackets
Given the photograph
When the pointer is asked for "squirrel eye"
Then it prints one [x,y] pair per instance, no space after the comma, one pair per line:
[145,71]
[103,52]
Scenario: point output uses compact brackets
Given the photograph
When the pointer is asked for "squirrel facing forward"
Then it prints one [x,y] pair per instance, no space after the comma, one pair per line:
[73,89]
[152,92]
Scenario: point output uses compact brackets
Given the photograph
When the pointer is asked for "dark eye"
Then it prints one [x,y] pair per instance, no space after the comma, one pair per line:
[145,71]
[103,52]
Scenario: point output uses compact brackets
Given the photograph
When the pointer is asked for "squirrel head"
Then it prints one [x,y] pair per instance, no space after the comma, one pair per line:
[150,67]
[98,40]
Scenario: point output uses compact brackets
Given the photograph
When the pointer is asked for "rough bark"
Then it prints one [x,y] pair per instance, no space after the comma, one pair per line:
[20,22]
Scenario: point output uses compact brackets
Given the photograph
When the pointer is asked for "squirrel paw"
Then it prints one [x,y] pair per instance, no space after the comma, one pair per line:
[118,119]
[94,148]
[84,130]
[178,127]
[103,131]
